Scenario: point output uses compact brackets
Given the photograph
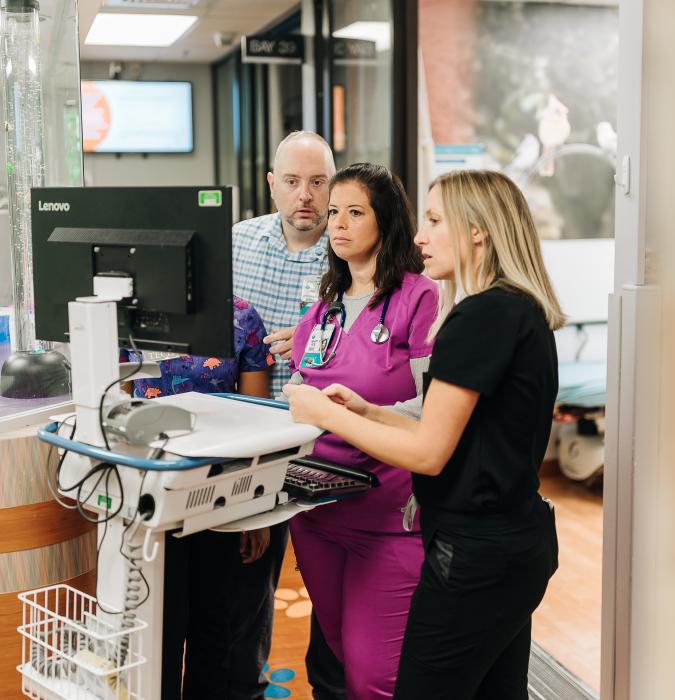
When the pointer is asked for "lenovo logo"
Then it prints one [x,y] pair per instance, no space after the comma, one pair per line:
[53,206]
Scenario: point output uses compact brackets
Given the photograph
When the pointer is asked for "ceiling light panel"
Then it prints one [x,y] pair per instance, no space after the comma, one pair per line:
[379,32]
[152,4]
[122,29]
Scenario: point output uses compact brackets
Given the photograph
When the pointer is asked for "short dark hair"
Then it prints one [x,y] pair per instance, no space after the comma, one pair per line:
[398,253]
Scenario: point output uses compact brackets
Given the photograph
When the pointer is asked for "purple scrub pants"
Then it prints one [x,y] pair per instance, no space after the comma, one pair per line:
[361,583]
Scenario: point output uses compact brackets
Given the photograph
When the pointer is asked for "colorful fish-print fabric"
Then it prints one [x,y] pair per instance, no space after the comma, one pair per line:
[209,375]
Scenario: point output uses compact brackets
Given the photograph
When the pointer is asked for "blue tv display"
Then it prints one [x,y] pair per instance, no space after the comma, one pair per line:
[129,116]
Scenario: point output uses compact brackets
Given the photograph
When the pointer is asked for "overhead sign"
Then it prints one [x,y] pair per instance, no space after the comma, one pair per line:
[354,49]
[265,49]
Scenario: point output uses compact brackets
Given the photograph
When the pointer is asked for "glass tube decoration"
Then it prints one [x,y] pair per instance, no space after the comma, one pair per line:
[20,64]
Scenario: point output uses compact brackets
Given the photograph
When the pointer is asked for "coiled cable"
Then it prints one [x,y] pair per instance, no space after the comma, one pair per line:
[137,590]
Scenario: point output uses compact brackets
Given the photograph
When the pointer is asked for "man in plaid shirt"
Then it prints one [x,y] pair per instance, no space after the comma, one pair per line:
[277,262]
[276,256]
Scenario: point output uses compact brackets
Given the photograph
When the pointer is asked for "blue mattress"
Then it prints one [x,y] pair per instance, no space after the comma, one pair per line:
[582,384]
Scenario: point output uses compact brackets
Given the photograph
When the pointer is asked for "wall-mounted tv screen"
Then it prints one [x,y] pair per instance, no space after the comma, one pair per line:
[129,116]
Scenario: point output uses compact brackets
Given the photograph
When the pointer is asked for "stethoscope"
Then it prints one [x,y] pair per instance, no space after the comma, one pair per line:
[379,334]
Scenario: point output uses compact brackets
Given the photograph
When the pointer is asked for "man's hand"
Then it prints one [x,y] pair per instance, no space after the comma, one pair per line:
[253,544]
[281,342]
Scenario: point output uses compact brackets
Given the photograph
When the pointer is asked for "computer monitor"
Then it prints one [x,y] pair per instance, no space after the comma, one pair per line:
[168,248]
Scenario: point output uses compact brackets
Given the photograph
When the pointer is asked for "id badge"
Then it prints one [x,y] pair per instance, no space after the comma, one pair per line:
[317,345]
[309,292]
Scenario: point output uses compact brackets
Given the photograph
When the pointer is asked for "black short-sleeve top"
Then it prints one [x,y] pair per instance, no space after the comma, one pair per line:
[497,343]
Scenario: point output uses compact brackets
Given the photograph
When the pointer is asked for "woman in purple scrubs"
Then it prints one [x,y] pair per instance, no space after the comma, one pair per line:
[358,561]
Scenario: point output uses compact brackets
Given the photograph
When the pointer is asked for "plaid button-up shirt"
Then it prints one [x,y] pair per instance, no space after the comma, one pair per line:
[268,276]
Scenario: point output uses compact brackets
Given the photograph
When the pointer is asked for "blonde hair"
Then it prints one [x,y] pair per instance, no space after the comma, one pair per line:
[491,203]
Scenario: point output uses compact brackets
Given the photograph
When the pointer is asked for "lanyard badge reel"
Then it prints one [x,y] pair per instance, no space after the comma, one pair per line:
[316,352]
[309,292]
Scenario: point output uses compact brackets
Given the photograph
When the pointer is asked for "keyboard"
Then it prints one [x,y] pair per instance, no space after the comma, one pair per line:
[312,479]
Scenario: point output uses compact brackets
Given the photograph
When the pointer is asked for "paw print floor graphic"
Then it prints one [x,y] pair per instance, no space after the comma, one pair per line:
[295,603]
[281,675]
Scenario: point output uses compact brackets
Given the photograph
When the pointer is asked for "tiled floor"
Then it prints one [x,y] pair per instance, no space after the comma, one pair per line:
[567,623]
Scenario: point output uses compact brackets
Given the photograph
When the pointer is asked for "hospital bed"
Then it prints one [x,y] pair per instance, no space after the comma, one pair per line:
[580,416]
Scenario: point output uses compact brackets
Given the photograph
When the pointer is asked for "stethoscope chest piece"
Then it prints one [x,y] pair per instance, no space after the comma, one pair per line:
[380,334]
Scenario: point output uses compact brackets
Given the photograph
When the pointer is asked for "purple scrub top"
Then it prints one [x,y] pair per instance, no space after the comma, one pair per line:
[381,374]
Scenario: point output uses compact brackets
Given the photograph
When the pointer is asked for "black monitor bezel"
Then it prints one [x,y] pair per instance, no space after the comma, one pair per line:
[61,270]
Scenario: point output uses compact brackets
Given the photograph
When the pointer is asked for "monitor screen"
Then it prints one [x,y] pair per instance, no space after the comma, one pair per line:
[169,247]
[582,274]
[128,116]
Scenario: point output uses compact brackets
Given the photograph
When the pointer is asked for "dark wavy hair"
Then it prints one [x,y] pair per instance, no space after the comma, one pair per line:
[396,224]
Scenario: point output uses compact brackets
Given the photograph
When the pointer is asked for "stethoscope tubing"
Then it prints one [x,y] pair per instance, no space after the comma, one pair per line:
[338,307]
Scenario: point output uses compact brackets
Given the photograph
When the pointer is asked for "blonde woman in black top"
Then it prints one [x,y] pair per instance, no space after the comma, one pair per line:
[489,537]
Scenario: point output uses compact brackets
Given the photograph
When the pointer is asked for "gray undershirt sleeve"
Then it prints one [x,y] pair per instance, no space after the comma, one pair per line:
[412,408]
[296,378]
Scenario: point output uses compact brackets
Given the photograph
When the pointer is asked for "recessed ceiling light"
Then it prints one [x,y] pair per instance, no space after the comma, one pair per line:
[152,4]
[121,29]
[379,32]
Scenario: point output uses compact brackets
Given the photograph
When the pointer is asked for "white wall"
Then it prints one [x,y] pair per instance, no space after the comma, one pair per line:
[196,168]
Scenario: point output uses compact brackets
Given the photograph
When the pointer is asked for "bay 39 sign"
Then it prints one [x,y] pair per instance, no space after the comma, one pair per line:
[262,49]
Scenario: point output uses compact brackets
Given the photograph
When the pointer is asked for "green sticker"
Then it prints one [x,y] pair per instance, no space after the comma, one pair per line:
[106,501]
[210,198]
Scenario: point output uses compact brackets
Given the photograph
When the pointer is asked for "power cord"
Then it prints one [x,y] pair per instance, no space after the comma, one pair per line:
[119,380]
[50,484]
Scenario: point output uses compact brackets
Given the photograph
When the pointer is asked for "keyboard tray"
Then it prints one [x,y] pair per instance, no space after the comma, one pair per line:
[315,479]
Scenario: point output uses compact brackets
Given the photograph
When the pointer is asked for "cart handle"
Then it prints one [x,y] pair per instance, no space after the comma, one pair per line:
[48,435]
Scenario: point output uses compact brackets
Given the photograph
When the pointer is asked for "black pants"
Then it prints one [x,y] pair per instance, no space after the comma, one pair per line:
[468,633]
[325,672]
[222,610]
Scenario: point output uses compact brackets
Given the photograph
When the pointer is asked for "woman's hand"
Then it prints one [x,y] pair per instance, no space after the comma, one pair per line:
[307,404]
[344,396]
[253,544]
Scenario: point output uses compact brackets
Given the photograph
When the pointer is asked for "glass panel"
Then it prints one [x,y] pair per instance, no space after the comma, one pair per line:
[227,111]
[507,87]
[61,93]
[530,88]
[284,103]
[258,105]
[247,164]
[362,78]
[227,100]
[261,136]
[55,158]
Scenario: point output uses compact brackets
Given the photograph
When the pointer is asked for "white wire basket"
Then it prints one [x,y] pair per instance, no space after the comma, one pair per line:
[73,650]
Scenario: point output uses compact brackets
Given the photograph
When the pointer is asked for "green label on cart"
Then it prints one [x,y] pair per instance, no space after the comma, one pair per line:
[105,501]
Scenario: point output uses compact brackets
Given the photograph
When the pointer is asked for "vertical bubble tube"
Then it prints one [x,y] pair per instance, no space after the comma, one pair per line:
[20,65]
